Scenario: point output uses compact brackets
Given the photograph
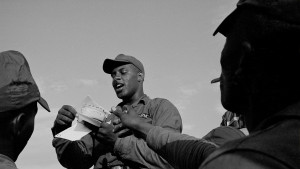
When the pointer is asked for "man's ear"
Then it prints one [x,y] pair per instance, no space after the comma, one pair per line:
[245,59]
[17,124]
[140,77]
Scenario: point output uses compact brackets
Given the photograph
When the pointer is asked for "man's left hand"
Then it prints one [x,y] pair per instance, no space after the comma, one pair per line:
[105,134]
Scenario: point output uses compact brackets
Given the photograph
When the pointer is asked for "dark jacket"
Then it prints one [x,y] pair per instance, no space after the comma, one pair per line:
[276,144]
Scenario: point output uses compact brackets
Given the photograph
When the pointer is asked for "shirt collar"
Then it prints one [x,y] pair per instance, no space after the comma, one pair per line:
[143,100]
[291,112]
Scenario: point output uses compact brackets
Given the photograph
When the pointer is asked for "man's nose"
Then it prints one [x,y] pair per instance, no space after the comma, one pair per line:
[117,77]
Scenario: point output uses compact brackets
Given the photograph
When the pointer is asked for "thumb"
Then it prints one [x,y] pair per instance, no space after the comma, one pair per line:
[116,111]
[126,109]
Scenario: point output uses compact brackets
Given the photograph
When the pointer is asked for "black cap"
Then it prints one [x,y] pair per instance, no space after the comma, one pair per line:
[109,64]
[17,86]
[286,10]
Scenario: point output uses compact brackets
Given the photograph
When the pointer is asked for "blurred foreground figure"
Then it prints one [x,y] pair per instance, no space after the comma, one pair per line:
[19,95]
[260,66]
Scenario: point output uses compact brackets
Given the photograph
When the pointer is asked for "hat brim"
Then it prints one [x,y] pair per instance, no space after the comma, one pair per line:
[227,23]
[109,65]
[44,104]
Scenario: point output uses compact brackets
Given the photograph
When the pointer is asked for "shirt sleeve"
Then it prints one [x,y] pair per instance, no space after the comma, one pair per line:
[180,150]
[80,154]
[165,115]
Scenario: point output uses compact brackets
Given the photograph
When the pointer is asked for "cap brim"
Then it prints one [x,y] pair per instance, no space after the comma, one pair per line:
[44,104]
[216,80]
[227,23]
[109,65]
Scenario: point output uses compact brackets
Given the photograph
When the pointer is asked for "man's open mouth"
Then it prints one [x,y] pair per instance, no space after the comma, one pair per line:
[119,87]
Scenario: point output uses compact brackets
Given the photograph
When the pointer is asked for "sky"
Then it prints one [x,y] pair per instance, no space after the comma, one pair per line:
[66,42]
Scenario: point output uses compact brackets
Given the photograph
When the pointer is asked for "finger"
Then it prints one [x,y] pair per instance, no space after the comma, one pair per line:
[124,133]
[66,114]
[118,128]
[113,109]
[117,111]
[116,121]
[64,119]
[62,123]
[106,126]
[68,111]
[69,108]
[105,130]
[125,108]
[90,126]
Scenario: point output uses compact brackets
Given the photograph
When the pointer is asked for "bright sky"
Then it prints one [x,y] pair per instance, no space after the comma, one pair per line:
[66,42]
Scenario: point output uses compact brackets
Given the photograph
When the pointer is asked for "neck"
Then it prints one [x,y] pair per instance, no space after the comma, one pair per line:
[262,110]
[134,98]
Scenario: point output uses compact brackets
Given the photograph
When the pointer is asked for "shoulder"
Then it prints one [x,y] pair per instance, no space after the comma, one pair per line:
[161,102]
[270,146]
[158,100]
[223,134]
[243,159]
[6,162]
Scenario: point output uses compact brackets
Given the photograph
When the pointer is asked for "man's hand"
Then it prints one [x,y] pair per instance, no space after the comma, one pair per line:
[64,118]
[105,134]
[130,119]
[120,129]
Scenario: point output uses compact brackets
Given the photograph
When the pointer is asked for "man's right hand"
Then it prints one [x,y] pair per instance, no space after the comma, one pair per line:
[130,119]
[64,118]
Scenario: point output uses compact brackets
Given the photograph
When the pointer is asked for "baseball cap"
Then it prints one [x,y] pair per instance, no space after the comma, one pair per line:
[17,86]
[286,10]
[109,64]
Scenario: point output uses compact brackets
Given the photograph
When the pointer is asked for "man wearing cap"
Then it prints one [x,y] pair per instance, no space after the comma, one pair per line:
[19,96]
[260,63]
[105,149]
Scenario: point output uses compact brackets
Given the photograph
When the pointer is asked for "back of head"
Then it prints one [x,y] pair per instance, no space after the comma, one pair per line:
[275,56]
[19,96]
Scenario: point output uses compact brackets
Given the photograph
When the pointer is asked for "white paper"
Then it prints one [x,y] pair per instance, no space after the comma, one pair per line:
[92,113]
[75,132]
